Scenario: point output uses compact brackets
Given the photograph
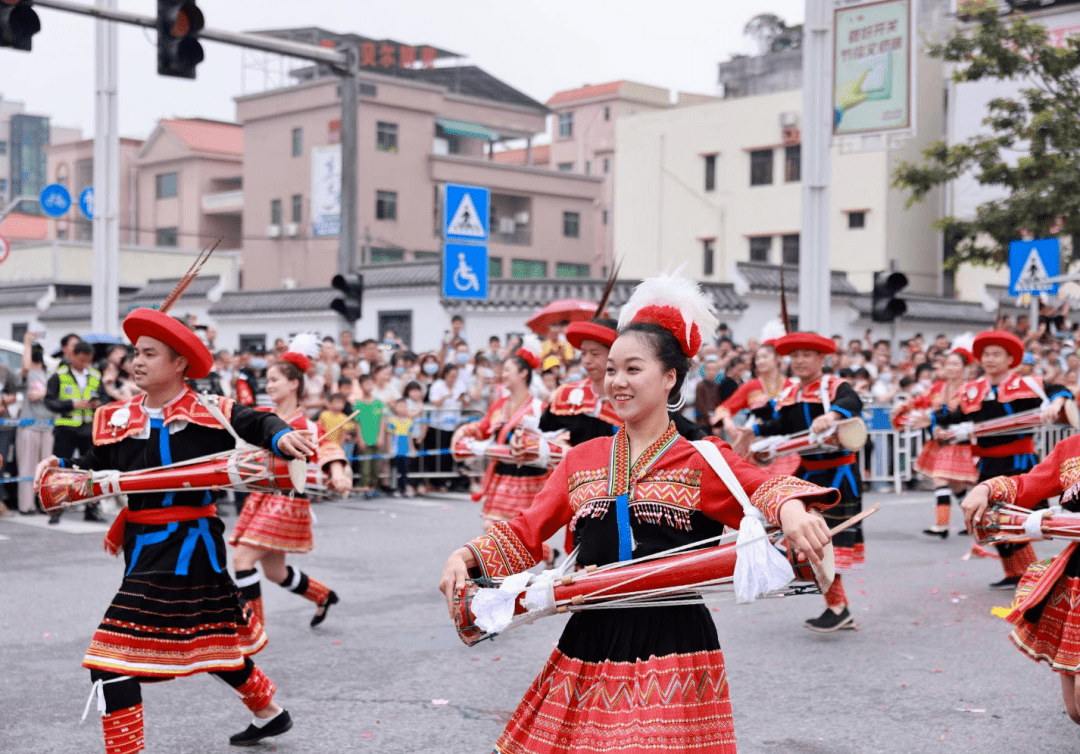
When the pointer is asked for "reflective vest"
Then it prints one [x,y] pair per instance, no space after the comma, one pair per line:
[69,391]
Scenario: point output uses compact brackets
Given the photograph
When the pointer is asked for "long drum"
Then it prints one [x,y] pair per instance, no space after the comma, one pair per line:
[252,470]
[538,451]
[1008,524]
[678,574]
[1011,425]
[849,434]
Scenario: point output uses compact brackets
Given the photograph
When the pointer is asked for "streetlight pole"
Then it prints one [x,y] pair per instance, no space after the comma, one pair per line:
[104,306]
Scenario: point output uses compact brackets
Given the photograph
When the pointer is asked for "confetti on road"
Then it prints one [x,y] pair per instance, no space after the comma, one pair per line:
[440,702]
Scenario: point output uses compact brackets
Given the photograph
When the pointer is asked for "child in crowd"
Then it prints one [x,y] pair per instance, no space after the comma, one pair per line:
[370,436]
[399,431]
[332,420]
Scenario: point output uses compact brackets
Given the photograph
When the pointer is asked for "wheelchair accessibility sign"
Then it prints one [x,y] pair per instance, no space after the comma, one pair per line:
[465,271]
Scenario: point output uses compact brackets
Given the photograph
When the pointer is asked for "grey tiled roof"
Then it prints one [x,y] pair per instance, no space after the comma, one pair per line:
[765,278]
[69,309]
[539,292]
[156,289]
[21,296]
[934,309]
[403,275]
[277,300]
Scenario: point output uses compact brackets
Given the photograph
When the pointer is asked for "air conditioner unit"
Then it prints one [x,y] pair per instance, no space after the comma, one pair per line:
[274,231]
[292,230]
[789,118]
[507,225]
[522,218]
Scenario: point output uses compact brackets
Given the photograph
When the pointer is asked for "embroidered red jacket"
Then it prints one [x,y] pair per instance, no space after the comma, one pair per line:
[115,421]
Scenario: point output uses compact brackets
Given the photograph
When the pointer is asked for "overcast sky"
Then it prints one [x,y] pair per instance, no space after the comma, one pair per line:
[537,46]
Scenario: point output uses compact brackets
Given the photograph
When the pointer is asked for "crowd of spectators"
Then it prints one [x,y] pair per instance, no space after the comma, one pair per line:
[406,405]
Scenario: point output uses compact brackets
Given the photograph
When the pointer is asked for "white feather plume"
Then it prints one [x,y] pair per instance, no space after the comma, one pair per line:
[676,291]
[965,341]
[532,344]
[772,330]
[306,343]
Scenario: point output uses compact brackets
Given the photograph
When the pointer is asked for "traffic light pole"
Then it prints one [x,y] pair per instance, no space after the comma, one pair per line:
[105,290]
[350,161]
[815,277]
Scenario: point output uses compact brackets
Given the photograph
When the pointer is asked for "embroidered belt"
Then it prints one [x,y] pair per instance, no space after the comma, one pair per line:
[1022,446]
[832,463]
[114,540]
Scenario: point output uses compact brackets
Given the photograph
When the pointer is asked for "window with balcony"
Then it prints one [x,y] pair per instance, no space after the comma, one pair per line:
[494,267]
[297,142]
[566,125]
[386,256]
[761,167]
[708,247]
[297,208]
[571,224]
[166,185]
[789,248]
[275,212]
[856,220]
[760,248]
[528,268]
[453,144]
[792,164]
[386,205]
[165,237]
[566,167]
[710,172]
[386,138]
[511,219]
[425,256]
[570,270]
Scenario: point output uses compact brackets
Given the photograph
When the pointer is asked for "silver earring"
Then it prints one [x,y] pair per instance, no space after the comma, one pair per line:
[678,404]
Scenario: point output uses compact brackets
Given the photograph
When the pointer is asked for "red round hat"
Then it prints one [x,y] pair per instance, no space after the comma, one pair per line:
[804,341]
[530,358]
[174,334]
[1006,340]
[671,319]
[579,331]
[964,354]
[299,360]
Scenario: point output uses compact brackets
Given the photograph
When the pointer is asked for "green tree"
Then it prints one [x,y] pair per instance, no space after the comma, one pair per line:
[772,33]
[1032,149]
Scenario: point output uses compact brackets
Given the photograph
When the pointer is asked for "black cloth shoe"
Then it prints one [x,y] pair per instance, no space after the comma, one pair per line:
[91,514]
[331,599]
[829,621]
[253,735]
[1009,582]
[963,533]
[54,518]
[943,533]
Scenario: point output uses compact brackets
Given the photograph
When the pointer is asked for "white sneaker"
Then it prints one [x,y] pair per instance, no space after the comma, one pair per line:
[410,492]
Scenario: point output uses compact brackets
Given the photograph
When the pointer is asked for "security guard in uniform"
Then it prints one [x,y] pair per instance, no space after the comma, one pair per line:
[72,394]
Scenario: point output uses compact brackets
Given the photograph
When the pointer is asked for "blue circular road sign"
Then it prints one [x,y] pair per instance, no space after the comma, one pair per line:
[55,200]
[86,202]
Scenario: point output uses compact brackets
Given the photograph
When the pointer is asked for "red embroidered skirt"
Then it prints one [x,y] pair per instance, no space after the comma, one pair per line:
[508,496]
[677,702]
[1054,636]
[950,462]
[274,522]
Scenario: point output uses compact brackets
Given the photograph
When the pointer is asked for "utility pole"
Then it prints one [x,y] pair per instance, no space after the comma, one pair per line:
[105,291]
[815,283]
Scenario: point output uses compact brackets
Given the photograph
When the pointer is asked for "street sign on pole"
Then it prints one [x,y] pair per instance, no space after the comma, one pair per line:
[55,200]
[466,213]
[465,271]
[1031,263]
[86,202]
[5,249]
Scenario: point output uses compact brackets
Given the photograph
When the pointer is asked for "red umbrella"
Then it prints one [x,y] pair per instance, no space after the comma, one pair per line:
[562,310]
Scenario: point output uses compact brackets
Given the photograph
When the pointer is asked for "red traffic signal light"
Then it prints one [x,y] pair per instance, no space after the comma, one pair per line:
[179,51]
[18,23]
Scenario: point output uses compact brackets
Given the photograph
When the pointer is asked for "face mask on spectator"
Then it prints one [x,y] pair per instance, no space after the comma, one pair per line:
[399,371]
[431,368]
[486,372]
[463,358]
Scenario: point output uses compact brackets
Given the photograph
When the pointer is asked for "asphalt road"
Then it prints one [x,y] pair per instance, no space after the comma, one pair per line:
[929,670]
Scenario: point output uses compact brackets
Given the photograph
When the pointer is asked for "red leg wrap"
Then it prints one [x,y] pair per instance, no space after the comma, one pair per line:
[942,514]
[1016,563]
[255,617]
[835,597]
[257,691]
[124,731]
[316,591]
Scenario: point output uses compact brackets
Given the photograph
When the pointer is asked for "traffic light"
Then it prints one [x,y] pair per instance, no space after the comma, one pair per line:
[886,306]
[178,25]
[18,23]
[350,305]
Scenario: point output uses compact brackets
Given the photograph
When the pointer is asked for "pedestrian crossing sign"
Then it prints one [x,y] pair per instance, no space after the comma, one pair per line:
[466,213]
[1031,263]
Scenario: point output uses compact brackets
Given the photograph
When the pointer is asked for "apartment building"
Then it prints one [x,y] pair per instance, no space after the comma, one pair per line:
[24,140]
